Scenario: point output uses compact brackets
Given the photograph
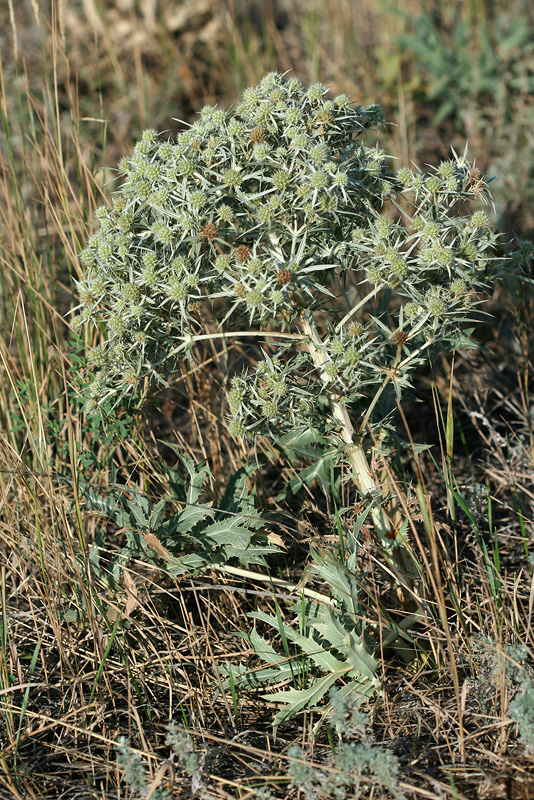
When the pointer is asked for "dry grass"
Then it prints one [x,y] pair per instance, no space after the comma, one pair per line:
[82,664]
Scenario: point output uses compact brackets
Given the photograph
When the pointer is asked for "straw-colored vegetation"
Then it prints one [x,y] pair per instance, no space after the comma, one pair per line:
[114,677]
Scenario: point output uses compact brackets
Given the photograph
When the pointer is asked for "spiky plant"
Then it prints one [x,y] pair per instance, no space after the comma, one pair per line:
[259,219]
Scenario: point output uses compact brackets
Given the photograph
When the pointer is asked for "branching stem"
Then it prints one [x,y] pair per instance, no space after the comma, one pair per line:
[355,451]
[398,557]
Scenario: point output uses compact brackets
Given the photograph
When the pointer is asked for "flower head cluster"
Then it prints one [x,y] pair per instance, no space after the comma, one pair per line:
[256,213]
[273,398]
[256,205]
[435,259]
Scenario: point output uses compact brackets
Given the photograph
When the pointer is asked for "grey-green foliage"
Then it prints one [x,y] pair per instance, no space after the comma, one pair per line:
[478,67]
[521,710]
[331,658]
[182,747]
[252,217]
[196,537]
[358,767]
[215,213]
[135,772]
[479,72]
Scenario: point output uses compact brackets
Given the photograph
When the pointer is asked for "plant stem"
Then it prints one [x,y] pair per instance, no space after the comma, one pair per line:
[291,587]
[398,556]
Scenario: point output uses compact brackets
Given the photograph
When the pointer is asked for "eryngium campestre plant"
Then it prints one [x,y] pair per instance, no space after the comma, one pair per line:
[257,205]
[269,208]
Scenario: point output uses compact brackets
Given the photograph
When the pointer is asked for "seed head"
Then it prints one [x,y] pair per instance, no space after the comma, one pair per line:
[284,276]
[254,298]
[341,178]
[351,356]
[261,151]
[316,92]
[433,184]
[458,287]
[281,180]
[131,292]
[319,180]
[374,275]
[319,152]
[191,281]
[299,141]
[235,128]
[150,135]
[332,369]
[444,256]
[153,172]
[237,428]
[130,376]
[446,169]
[399,338]
[418,222]
[105,250]
[479,219]
[235,399]
[242,253]
[116,326]
[254,266]
[225,213]
[399,268]
[337,347]
[383,226]
[355,329]
[231,177]
[270,409]
[405,176]
[418,182]
[222,263]
[95,357]
[411,310]
[257,134]
[436,306]
[431,230]
[197,199]
[209,231]
[177,291]
[165,151]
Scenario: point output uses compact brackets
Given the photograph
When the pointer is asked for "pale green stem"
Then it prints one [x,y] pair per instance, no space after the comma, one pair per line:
[376,398]
[354,450]
[189,340]
[290,587]
[357,307]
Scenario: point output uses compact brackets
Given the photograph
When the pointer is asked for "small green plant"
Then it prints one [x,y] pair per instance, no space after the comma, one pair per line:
[135,772]
[355,767]
[522,712]
[276,223]
[337,646]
